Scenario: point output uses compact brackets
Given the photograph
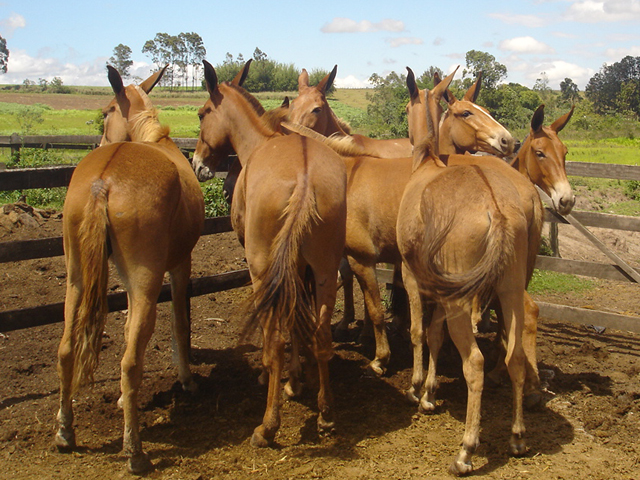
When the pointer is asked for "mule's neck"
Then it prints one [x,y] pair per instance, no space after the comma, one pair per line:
[247,131]
[446,145]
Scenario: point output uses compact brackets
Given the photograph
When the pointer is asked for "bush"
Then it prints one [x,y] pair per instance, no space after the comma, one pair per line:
[214,203]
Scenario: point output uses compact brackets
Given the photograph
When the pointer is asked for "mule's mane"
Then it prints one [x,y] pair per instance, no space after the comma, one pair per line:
[145,127]
[342,144]
[259,109]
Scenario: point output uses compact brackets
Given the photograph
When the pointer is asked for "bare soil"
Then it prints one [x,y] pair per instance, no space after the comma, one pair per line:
[588,427]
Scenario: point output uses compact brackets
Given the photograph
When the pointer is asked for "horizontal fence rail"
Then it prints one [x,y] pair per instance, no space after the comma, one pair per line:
[59,176]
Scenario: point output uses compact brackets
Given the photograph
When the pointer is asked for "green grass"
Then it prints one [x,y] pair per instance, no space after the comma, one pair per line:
[544,281]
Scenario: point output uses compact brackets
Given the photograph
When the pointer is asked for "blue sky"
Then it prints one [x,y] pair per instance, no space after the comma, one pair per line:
[563,38]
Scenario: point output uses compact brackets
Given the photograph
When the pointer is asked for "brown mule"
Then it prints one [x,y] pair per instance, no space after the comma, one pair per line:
[465,231]
[139,204]
[289,211]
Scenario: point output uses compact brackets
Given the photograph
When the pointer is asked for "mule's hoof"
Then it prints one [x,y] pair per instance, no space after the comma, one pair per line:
[532,401]
[411,396]
[139,464]
[341,335]
[190,386]
[326,427]
[460,468]
[292,390]
[65,440]
[377,369]
[427,406]
[517,446]
[258,441]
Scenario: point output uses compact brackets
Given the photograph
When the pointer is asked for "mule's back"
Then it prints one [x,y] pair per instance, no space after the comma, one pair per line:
[149,200]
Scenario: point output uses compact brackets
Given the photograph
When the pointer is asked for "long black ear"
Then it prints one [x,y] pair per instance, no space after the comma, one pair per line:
[242,74]
[285,102]
[327,81]
[474,90]
[153,80]
[115,80]
[538,119]
[560,123]
[414,92]
[447,94]
[210,77]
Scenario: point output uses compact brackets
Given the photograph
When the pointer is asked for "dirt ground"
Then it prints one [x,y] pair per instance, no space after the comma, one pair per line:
[588,426]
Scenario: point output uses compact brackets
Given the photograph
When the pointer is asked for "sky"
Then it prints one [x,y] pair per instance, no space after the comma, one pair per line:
[562,38]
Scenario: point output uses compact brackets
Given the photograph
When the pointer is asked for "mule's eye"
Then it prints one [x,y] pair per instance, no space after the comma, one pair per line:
[466,114]
[540,154]
[200,116]
[317,110]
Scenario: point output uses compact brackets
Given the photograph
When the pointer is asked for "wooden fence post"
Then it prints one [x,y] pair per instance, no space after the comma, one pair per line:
[16,143]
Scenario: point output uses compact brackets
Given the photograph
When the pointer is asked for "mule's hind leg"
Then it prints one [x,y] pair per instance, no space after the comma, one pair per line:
[273,362]
[180,323]
[461,332]
[417,334]
[323,348]
[140,325]
[513,311]
[435,338]
[65,438]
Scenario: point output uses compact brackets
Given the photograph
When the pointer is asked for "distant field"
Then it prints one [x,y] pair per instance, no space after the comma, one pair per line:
[75,114]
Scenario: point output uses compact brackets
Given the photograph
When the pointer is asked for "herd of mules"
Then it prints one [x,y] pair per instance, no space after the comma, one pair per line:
[312,201]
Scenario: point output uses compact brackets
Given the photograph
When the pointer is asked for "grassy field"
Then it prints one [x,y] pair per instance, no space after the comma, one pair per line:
[179,111]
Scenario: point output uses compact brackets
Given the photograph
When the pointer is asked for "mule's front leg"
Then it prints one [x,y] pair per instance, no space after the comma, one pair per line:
[180,324]
[273,361]
[366,276]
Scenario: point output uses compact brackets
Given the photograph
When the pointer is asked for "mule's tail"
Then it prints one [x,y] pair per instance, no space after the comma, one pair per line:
[92,311]
[481,279]
[284,300]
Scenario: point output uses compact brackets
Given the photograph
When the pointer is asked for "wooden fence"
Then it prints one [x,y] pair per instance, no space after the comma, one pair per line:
[19,179]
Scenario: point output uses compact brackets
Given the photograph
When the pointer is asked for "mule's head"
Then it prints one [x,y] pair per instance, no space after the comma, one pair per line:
[310,108]
[115,125]
[214,142]
[424,109]
[468,127]
[542,158]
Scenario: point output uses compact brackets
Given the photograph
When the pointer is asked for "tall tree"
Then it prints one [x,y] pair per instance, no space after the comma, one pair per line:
[569,91]
[121,60]
[195,53]
[492,70]
[4,55]
[606,87]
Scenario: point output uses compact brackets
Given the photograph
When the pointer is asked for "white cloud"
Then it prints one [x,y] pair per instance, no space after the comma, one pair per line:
[531,21]
[594,11]
[525,45]
[558,70]
[22,66]
[11,24]
[617,54]
[346,25]
[400,41]
[438,41]
[351,82]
